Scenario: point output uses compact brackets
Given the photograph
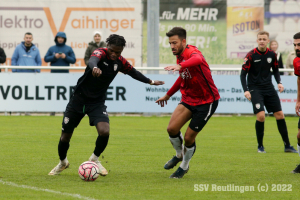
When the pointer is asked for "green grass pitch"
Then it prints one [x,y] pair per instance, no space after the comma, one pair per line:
[137,150]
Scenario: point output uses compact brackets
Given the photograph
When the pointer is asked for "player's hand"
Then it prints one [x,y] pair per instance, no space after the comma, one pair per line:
[280,87]
[174,68]
[158,82]
[162,100]
[57,55]
[63,56]
[247,95]
[297,108]
[96,72]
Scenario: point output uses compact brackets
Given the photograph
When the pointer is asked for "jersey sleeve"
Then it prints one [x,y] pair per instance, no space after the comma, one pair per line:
[99,53]
[245,69]
[296,64]
[194,60]
[247,62]
[175,87]
[127,67]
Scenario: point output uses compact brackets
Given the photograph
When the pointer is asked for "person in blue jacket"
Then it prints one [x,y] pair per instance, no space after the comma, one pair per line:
[26,54]
[60,54]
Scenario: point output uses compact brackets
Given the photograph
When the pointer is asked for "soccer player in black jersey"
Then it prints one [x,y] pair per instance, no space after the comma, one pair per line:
[296,64]
[260,90]
[89,98]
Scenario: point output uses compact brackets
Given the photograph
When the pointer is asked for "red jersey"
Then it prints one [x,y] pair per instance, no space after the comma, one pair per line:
[195,81]
[296,64]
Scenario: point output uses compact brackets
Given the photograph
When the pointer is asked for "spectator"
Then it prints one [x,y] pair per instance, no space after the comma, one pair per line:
[26,54]
[289,61]
[2,56]
[93,45]
[274,47]
[60,54]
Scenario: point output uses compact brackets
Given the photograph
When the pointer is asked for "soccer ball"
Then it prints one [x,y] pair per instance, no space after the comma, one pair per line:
[88,171]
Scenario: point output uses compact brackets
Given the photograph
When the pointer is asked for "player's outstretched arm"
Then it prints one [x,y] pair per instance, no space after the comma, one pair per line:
[162,100]
[174,68]
[140,77]
[156,82]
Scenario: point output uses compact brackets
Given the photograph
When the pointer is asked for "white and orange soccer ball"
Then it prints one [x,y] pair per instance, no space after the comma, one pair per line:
[88,171]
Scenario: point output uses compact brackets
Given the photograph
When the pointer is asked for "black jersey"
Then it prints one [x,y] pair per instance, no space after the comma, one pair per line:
[93,89]
[257,65]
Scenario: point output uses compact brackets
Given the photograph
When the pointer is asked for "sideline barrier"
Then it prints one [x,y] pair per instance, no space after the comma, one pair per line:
[50,92]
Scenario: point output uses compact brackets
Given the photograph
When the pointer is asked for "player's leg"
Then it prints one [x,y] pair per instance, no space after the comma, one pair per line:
[282,128]
[70,121]
[272,103]
[297,169]
[201,115]
[260,127]
[257,101]
[179,117]
[99,118]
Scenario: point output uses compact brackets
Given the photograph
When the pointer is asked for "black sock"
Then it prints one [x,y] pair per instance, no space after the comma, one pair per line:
[260,126]
[101,144]
[63,149]
[283,131]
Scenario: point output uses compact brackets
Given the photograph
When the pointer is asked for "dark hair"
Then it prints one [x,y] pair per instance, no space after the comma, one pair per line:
[28,33]
[181,32]
[297,36]
[116,40]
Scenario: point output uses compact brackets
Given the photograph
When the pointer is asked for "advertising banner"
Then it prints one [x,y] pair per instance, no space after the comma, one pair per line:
[204,22]
[78,19]
[46,92]
[244,20]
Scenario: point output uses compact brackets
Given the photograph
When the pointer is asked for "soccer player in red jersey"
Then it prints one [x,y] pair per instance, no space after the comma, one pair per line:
[199,99]
[260,91]
[297,73]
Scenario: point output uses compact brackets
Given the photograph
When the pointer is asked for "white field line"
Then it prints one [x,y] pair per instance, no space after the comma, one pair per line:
[46,190]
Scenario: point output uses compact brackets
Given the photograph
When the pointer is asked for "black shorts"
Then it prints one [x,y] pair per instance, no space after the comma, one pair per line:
[201,114]
[76,110]
[299,124]
[268,98]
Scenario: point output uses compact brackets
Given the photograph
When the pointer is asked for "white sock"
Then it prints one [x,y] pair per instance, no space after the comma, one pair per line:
[298,149]
[65,161]
[94,157]
[187,156]
[177,145]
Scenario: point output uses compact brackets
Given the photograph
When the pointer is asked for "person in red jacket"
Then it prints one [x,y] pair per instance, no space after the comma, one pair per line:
[199,99]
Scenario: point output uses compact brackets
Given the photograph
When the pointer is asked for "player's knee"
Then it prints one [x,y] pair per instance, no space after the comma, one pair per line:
[65,137]
[188,140]
[172,131]
[260,117]
[103,132]
[279,115]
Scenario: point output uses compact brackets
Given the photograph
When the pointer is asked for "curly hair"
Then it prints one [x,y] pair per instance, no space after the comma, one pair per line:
[117,40]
